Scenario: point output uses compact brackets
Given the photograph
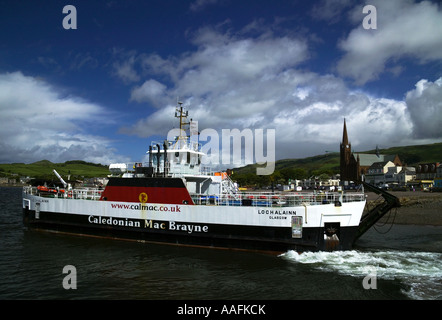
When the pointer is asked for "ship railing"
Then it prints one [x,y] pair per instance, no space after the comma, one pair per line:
[80,193]
[276,200]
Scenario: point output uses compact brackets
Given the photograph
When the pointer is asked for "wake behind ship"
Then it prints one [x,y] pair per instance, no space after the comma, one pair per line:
[174,199]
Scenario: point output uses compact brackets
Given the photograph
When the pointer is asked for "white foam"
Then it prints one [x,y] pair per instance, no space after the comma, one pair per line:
[422,271]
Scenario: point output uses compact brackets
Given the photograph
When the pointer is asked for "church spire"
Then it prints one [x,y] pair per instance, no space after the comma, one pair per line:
[349,165]
[344,135]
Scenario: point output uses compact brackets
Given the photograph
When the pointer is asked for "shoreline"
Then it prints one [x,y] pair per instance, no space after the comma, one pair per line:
[417,207]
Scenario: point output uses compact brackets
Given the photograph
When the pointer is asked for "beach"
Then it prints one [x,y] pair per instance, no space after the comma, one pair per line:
[417,207]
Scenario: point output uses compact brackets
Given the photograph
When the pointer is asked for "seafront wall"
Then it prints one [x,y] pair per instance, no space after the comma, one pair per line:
[419,208]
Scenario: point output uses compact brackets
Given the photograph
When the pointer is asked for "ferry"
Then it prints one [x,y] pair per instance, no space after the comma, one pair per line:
[173,199]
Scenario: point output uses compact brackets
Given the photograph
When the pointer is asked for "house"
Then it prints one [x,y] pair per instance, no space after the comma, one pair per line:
[8,181]
[391,176]
[438,179]
[366,160]
[320,182]
[427,171]
[426,174]
[354,166]
[378,173]
[406,175]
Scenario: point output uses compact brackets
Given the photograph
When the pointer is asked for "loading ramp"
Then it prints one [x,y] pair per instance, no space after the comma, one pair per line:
[376,213]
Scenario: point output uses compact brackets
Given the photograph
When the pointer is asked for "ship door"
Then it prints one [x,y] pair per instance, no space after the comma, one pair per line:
[26,208]
[331,235]
[37,210]
[296,227]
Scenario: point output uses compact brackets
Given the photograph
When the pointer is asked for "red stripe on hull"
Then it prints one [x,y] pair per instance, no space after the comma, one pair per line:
[147,194]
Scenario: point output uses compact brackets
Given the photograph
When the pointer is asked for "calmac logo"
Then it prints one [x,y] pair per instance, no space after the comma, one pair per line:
[143,197]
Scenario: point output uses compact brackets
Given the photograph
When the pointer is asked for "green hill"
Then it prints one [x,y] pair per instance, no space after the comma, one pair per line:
[414,155]
[328,164]
[43,169]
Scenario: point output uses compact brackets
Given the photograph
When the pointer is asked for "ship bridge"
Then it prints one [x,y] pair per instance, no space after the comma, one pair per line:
[180,157]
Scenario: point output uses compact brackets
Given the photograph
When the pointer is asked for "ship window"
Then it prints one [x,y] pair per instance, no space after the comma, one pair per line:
[155,159]
[176,157]
[188,157]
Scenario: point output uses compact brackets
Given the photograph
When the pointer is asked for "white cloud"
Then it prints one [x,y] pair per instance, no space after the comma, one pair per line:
[258,82]
[316,122]
[124,67]
[425,107]
[37,122]
[158,123]
[150,91]
[404,30]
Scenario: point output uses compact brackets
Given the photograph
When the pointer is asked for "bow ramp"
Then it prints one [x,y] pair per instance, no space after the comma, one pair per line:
[372,216]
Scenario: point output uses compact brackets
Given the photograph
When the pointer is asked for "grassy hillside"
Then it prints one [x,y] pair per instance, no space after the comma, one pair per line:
[413,155]
[328,164]
[43,169]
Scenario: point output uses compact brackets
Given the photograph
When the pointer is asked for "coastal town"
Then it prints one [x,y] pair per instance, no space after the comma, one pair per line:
[384,171]
[387,171]
[381,170]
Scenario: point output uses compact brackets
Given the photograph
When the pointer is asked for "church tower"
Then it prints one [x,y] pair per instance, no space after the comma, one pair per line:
[345,149]
[349,166]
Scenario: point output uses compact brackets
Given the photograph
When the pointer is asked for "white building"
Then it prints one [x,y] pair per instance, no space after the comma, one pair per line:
[377,172]
[405,175]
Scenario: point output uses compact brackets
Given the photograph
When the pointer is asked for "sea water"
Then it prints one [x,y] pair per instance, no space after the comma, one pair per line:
[404,263]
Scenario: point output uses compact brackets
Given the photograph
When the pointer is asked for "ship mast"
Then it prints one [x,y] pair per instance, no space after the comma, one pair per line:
[182,115]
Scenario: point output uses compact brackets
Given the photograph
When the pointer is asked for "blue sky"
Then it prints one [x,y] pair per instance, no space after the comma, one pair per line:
[103,91]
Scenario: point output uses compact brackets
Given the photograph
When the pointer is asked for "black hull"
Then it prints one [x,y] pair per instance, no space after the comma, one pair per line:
[266,239]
